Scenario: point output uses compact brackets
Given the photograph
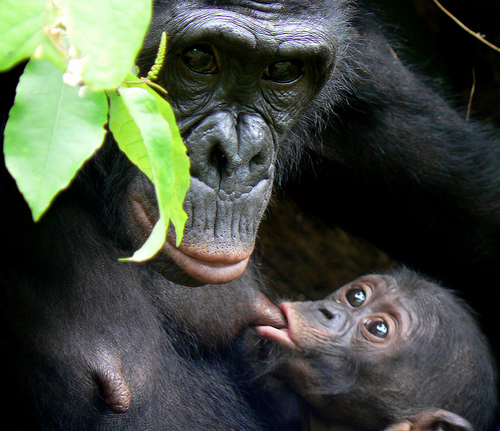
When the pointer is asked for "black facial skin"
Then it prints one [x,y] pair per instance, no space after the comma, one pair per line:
[236,90]
[93,343]
[385,349]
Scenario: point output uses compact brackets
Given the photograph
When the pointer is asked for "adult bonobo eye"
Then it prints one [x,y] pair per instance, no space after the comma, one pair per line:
[200,59]
[284,71]
[356,297]
[378,328]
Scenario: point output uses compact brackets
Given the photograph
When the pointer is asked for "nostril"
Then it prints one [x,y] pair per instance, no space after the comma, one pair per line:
[258,160]
[327,313]
[218,158]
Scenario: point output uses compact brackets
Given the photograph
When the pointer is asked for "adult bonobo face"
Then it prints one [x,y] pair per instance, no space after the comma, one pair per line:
[238,77]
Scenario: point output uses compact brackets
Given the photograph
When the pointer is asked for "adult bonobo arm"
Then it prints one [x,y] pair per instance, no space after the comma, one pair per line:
[403,169]
[385,350]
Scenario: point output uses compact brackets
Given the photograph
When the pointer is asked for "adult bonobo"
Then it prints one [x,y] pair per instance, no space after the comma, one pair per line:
[251,82]
[392,350]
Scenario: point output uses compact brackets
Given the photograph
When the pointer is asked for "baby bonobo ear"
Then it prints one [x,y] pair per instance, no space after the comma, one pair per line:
[433,420]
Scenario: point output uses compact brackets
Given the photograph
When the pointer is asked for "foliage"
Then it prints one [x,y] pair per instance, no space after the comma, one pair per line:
[78,74]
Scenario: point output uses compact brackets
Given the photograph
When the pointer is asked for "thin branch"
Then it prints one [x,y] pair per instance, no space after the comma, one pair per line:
[472,90]
[468,30]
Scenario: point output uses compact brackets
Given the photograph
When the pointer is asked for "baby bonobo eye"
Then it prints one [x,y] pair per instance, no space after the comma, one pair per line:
[284,71]
[200,59]
[356,297]
[379,328]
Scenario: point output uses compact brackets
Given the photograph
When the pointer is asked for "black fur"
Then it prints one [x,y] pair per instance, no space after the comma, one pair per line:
[402,168]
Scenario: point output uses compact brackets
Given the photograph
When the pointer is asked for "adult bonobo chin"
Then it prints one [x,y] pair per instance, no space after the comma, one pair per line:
[238,79]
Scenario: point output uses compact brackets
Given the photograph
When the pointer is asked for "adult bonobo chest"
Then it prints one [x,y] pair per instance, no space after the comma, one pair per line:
[238,78]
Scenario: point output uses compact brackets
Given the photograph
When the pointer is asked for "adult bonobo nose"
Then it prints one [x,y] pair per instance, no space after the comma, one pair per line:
[231,152]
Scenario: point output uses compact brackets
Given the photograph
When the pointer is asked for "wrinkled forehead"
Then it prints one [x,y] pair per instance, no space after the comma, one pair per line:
[264,6]
[266,10]
[279,26]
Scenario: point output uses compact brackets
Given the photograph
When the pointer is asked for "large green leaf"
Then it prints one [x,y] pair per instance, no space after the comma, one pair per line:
[156,146]
[21,23]
[179,161]
[51,131]
[107,34]
[101,38]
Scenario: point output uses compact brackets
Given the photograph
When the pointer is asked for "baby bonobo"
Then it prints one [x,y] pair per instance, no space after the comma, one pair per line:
[386,352]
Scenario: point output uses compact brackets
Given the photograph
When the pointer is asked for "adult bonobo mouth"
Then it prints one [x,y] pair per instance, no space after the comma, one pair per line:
[206,267]
[212,251]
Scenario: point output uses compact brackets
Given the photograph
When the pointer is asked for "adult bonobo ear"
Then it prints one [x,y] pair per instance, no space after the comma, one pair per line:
[433,420]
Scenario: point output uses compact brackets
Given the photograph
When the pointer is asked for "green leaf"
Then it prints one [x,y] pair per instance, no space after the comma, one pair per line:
[101,37]
[108,35]
[153,244]
[21,23]
[159,151]
[127,134]
[51,131]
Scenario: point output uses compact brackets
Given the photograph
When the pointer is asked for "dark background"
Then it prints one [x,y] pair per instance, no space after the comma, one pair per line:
[304,259]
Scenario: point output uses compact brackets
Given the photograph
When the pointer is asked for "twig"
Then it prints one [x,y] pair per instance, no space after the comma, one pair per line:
[468,30]
[472,90]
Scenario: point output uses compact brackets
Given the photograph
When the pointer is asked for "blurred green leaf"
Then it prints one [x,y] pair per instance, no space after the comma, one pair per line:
[21,23]
[51,131]
[107,35]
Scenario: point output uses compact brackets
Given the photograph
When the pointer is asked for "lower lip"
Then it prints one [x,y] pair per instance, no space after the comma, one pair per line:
[210,271]
[280,336]
[206,271]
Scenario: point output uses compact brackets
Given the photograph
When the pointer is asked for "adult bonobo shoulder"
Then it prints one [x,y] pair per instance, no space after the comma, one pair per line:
[386,350]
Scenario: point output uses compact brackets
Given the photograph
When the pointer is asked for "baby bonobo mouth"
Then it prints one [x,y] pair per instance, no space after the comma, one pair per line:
[267,315]
[279,333]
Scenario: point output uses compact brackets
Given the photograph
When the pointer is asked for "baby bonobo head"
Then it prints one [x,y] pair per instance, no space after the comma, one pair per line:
[386,351]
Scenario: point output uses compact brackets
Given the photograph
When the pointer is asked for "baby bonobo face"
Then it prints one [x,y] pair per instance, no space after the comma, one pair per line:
[345,350]
[366,314]
[384,350]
